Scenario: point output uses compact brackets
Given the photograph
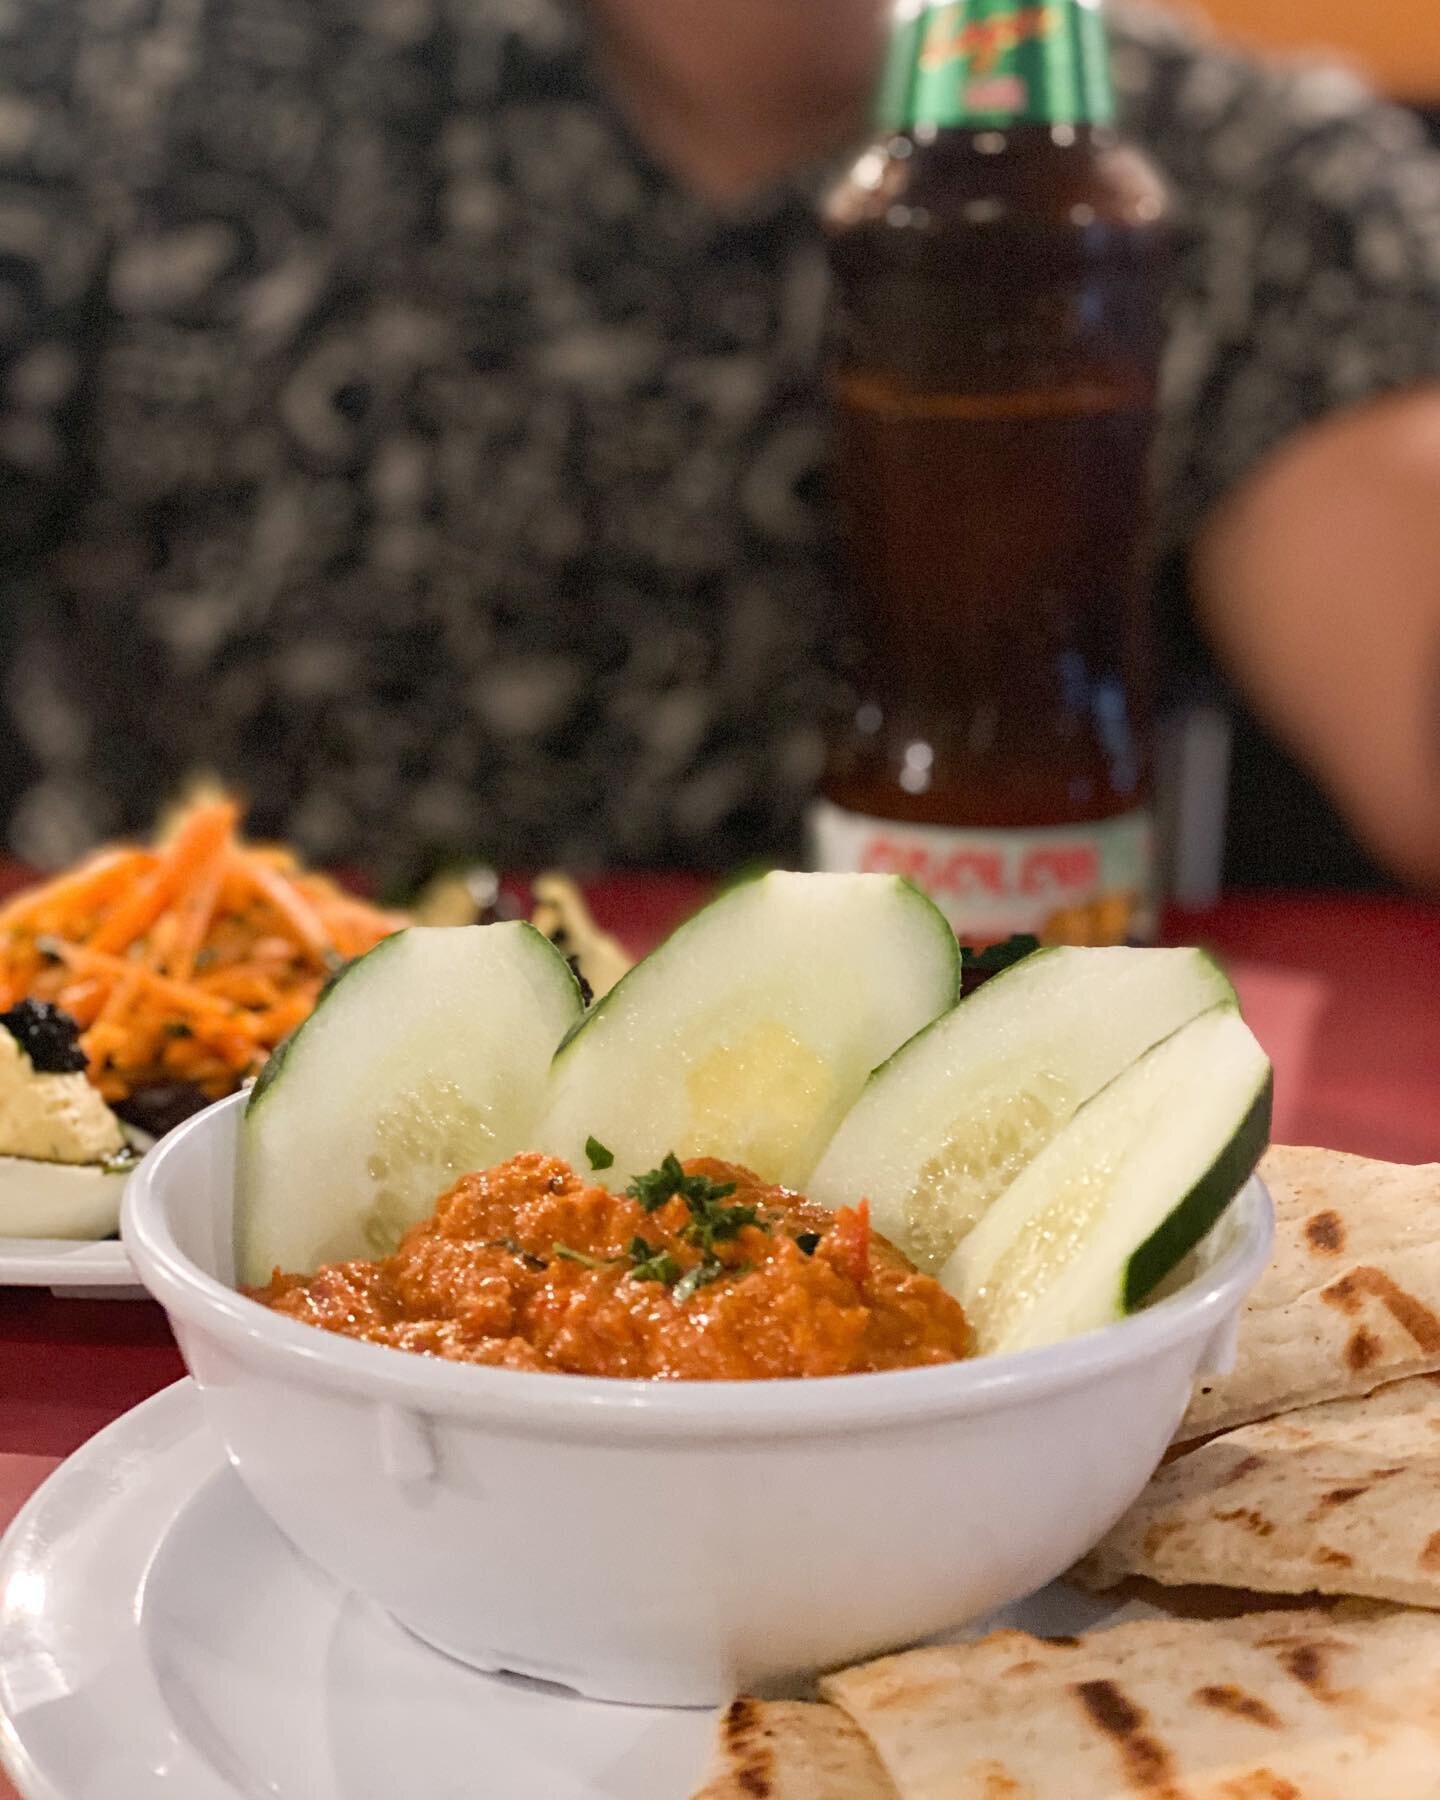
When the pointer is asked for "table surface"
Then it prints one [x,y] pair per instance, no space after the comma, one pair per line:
[1343,990]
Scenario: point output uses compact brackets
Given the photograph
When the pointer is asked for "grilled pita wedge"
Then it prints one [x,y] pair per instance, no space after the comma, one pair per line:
[1303,1705]
[1352,1295]
[789,1750]
[1336,1499]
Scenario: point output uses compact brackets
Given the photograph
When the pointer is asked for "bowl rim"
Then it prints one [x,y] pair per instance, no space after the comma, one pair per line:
[540,1402]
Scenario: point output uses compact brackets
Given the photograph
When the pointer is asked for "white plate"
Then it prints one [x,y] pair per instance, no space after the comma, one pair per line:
[158,1636]
[94,1271]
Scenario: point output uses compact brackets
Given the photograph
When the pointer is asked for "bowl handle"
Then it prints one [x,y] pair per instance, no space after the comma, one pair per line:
[407,1449]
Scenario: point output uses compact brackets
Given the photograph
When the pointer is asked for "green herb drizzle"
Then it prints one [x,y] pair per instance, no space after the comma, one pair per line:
[711,1222]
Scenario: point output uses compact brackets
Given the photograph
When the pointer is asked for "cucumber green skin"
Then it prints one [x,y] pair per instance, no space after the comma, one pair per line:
[1025,962]
[1224,991]
[735,890]
[274,1065]
[1186,1224]
[275,1062]
[942,926]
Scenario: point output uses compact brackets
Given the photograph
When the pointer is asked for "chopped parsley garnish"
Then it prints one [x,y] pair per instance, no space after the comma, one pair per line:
[566,1254]
[509,1243]
[809,1241]
[718,1224]
[701,1276]
[653,1264]
[711,1222]
[659,1185]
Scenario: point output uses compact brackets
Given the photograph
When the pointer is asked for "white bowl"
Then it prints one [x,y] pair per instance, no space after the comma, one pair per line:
[665,1543]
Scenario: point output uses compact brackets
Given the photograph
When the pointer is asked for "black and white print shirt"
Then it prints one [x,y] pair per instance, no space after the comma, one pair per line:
[383,431]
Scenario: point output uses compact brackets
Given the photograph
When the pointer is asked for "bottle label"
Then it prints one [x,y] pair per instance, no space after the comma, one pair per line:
[982,63]
[1065,884]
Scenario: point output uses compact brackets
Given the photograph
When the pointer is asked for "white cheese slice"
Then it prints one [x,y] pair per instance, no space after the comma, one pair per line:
[55,1136]
[57,1118]
[58,1200]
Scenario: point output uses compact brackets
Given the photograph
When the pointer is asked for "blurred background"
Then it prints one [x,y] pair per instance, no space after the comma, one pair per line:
[1395,45]
[460,556]
[412,414]
[1394,42]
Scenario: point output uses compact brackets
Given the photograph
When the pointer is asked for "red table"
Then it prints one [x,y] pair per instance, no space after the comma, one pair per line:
[1345,991]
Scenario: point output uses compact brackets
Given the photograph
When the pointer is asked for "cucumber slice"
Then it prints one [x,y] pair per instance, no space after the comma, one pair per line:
[749,1033]
[949,1122]
[425,1060]
[1119,1197]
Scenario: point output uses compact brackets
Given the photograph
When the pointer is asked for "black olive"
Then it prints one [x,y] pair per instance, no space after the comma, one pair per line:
[48,1036]
[587,993]
[162,1105]
[979,966]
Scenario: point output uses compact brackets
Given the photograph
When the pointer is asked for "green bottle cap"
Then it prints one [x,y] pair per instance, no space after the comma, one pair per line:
[993,63]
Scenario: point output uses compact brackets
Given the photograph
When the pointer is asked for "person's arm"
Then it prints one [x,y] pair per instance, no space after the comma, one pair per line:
[1300,443]
[1318,583]
[735,96]
[1311,508]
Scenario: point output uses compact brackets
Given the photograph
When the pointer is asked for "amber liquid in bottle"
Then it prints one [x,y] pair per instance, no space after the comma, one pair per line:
[999,303]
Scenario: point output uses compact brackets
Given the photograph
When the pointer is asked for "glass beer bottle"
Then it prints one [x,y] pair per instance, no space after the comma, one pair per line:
[999,257]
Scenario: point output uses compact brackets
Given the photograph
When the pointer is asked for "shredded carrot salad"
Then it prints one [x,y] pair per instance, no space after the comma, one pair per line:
[184,963]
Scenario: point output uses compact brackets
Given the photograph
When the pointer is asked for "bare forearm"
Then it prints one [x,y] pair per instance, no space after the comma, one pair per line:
[1319,585]
[737,95]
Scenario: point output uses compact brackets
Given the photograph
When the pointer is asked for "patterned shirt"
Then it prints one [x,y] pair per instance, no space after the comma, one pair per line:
[383,430]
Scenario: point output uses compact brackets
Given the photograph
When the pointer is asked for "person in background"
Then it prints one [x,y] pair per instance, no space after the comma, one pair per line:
[411,412]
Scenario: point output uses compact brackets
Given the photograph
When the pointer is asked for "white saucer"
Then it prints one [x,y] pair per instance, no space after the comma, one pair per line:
[70,1268]
[159,1636]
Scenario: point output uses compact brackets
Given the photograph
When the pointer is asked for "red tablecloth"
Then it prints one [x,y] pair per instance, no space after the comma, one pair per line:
[1344,991]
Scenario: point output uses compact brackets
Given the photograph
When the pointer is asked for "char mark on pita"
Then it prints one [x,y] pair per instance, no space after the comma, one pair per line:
[1342,1498]
[1308,1705]
[792,1750]
[1351,1299]
[1147,1762]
